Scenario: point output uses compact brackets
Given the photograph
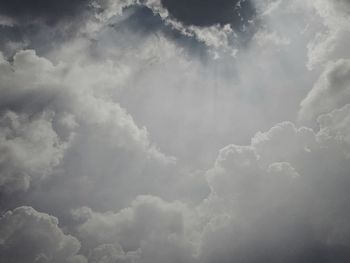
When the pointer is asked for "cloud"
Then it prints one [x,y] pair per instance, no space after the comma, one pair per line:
[30,150]
[51,23]
[269,203]
[334,128]
[30,144]
[32,23]
[110,253]
[266,202]
[30,236]
[92,115]
[331,91]
[53,106]
[30,75]
[150,229]
[214,34]
[330,44]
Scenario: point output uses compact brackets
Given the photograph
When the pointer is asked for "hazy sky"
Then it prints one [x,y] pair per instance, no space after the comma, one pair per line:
[174,131]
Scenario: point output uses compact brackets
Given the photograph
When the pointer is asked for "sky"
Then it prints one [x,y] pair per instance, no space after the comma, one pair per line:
[174,131]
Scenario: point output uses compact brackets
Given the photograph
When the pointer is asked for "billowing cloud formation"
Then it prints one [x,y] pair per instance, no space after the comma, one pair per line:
[30,236]
[266,202]
[30,149]
[151,230]
[112,121]
[329,49]
[63,105]
[275,206]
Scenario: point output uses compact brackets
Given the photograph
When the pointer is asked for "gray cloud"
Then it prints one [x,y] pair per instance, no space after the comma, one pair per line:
[86,122]
[152,229]
[30,150]
[262,205]
[274,205]
[30,236]
[331,91]
[109,253]
[115,126]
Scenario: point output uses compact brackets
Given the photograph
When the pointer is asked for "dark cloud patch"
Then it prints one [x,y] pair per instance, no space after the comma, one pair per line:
[143,21]
[50,11]
[210,12]
[39,24]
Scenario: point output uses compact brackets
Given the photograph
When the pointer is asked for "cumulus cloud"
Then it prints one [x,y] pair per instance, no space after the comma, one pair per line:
[270,192]
[112,114]
[60,107]
[30,150]
[30,236]
[150,230]
[30,75]
[266,202]
[330,43]
[109,253]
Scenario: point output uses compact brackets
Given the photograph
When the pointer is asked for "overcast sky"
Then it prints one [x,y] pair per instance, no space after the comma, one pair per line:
[174,131]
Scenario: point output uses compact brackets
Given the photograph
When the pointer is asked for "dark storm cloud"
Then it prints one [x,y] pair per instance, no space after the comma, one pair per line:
[51,11]
[210,12]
